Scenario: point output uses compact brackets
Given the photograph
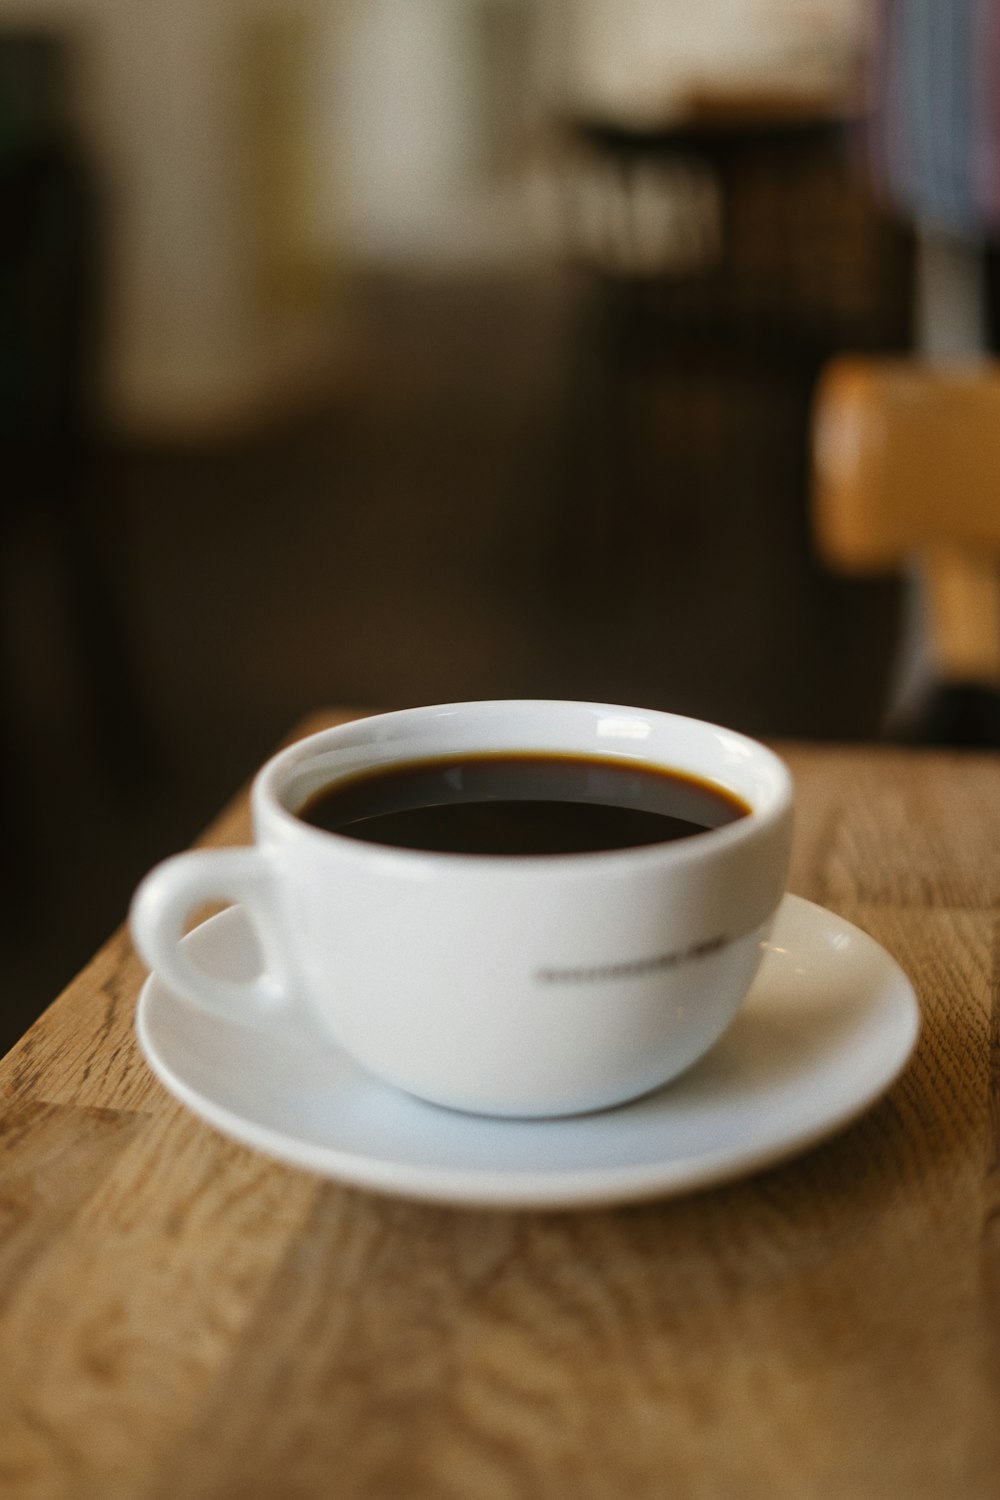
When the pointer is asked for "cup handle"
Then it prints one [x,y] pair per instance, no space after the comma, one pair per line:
[170,893]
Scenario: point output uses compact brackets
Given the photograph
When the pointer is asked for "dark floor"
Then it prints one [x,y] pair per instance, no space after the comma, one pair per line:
[462,526]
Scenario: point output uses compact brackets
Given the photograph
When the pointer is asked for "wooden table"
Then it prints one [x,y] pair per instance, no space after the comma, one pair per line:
[179,1318]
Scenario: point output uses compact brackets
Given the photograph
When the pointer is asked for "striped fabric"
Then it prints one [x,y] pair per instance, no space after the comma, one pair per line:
[934,123]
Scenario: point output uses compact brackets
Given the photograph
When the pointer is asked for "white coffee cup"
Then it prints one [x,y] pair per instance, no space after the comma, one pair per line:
[500,984]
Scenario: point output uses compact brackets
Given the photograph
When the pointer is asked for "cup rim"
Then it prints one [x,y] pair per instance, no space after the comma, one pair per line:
[265,795]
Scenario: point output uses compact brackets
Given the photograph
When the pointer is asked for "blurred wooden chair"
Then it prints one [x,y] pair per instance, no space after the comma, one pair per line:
[906,476]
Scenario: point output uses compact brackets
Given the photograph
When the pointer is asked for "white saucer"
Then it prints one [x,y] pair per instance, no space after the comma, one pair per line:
[830,1022]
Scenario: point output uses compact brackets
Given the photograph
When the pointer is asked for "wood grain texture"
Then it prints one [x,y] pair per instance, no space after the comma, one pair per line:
[182,1320]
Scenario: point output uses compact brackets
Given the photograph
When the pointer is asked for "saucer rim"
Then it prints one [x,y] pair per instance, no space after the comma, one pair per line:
[558,1188]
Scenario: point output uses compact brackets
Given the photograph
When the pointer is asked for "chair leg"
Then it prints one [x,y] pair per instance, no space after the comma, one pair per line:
[963,599]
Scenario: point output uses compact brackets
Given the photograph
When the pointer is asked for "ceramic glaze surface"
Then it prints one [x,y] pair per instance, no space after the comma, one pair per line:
[506,985]
[829,1023]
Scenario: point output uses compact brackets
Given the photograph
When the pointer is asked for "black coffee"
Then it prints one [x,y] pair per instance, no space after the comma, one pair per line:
[521,804]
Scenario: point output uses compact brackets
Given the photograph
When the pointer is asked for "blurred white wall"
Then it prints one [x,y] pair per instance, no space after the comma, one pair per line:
[642,58]
[255,150]
[203,335]
[405,85]
[429,106]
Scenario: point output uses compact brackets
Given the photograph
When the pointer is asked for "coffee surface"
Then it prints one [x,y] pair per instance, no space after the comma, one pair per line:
[521,804]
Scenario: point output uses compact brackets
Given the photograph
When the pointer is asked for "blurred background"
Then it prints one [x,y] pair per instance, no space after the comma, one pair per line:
[382,352]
